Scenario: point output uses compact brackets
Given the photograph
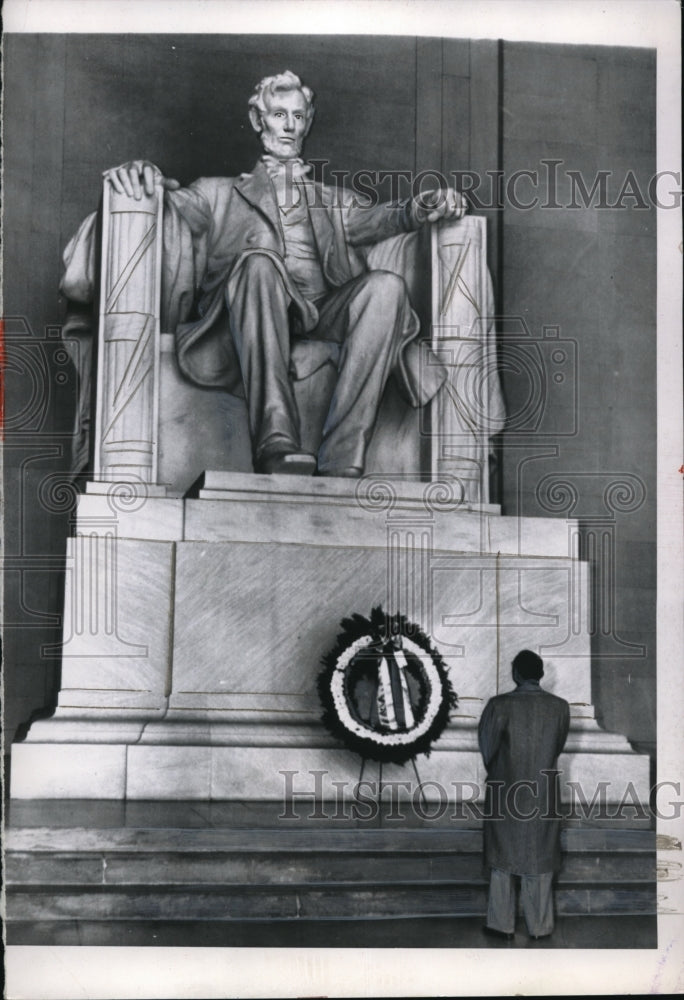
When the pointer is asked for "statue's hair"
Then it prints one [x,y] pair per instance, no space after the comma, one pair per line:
[280,82]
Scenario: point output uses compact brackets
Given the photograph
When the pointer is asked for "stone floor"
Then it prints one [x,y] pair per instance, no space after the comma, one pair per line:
[431,932]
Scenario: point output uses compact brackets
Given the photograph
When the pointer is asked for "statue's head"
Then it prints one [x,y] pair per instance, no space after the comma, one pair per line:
[527,666]
[281,111]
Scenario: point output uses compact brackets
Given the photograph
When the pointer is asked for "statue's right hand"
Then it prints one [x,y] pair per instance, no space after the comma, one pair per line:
[137,176]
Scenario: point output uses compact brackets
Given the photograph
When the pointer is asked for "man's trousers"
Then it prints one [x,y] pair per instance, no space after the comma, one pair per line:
[370,318]
[536,902]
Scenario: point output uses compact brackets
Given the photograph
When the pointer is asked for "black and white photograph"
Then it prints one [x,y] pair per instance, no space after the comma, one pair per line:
[342,498]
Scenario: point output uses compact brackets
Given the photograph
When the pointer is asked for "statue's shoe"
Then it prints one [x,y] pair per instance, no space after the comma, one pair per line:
[344,472]
[292,464]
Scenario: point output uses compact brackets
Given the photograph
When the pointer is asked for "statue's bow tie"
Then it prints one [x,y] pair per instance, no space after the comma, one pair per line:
[289,170]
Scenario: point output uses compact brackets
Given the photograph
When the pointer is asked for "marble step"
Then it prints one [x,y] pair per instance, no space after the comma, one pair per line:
[320,839]
[311,837]
[247,863]
[215,874]
[220,868]
[255,816]
[326,901]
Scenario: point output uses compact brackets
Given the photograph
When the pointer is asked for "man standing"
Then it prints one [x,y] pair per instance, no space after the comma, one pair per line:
[279,262]
[521,734]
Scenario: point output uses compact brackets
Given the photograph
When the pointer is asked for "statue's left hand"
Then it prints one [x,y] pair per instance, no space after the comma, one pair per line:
[441,203]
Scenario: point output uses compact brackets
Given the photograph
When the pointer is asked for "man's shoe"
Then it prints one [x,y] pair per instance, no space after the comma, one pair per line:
[492,932]
[288,464]
[540,937]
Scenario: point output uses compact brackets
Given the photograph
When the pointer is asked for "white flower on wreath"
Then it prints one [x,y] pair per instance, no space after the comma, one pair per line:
[385,739]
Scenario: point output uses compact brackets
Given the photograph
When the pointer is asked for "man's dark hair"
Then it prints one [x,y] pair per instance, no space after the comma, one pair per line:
[529,665]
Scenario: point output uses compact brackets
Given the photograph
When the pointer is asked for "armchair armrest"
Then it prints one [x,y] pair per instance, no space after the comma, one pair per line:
[460,325]
[128,341]
[469,409]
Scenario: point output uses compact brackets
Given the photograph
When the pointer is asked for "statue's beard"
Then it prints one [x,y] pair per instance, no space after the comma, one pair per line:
[281,149]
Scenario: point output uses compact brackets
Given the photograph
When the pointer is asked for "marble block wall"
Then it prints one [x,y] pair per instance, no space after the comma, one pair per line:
[486,609]
[116,648]
[194,631]
[233,598]
[256,618]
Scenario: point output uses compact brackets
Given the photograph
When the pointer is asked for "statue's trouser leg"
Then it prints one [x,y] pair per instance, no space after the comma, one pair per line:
[260,329]
[371,318]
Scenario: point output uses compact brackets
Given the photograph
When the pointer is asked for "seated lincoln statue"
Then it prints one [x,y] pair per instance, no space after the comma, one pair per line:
[254,264]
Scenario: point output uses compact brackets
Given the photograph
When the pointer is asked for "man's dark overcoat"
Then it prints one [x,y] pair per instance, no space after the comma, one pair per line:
[521,734]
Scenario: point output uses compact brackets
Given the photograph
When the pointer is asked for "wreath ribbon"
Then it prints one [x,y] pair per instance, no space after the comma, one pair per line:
[394,701]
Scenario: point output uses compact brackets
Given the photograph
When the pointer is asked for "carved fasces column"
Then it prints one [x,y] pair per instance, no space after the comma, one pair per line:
[127,402]
[469,408]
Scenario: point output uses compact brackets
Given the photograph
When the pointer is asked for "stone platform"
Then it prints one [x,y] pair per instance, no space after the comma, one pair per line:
[195,626]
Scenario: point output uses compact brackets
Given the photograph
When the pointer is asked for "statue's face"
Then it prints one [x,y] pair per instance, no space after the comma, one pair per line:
[284,124]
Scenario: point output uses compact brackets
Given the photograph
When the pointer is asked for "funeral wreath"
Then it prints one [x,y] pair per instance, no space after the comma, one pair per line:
[384,688]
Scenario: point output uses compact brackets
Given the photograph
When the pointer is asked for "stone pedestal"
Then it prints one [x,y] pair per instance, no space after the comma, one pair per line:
[194,629]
